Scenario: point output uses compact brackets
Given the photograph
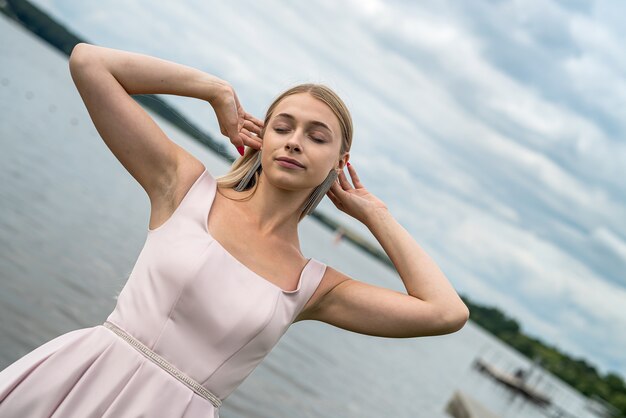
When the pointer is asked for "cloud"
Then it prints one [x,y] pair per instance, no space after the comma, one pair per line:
[491,130]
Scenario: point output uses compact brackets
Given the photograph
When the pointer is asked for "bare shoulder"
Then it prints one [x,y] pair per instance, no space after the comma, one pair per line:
[174,188]
[330,280]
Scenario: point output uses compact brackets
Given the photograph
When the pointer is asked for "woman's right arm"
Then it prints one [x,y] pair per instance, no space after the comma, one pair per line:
[105,79]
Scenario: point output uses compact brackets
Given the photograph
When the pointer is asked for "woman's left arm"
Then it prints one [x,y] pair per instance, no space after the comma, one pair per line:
[431,307]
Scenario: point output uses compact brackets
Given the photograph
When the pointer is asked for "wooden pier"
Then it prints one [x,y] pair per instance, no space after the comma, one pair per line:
[515,382]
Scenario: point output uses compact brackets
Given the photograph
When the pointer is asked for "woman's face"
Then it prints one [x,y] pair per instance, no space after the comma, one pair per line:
[305,129]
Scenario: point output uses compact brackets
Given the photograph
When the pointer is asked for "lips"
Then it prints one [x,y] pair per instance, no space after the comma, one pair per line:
[291,160]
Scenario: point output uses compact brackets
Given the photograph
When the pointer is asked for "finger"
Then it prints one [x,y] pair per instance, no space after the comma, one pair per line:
[237,140]
[343,181]
[254,136]
[336,189]
[250,141]
[250,136]
[355,177]
[254,144]
[336,201]
[331,196]
[232,132]
[254,120]
[251,126]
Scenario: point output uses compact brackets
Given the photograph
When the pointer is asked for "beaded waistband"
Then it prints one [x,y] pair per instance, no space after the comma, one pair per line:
[164,364]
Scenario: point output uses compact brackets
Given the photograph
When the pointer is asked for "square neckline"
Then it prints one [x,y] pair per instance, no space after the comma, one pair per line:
[207,216]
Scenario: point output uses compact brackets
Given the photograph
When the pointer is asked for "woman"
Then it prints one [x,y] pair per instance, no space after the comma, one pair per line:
[221,276]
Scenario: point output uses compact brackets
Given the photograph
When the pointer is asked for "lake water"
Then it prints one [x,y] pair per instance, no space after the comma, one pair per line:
[72,223]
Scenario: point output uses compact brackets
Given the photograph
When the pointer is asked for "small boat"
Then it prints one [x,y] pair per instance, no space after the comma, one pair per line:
[515,382]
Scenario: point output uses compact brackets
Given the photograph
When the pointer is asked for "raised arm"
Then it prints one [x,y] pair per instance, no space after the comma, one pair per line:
[431,306]
[106,78]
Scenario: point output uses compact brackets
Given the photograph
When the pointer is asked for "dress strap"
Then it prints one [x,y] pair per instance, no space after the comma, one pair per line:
[193,207]
[310,282]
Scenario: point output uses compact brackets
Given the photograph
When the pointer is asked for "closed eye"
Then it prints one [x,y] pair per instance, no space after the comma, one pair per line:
[281,130]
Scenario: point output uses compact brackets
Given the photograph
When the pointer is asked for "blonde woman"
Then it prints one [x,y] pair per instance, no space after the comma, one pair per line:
[221,276]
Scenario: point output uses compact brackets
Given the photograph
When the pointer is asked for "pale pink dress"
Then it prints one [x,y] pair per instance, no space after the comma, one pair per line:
[187,299]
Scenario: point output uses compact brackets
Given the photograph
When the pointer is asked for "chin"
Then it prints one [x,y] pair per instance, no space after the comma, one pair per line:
[289,182]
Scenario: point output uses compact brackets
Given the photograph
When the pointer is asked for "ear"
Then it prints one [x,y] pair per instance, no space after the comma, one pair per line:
[344,159]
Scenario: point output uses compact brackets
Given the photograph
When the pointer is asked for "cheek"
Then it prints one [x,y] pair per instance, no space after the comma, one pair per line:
[270,140]
[265,131]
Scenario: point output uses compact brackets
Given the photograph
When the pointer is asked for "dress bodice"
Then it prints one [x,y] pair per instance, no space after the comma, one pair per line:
[196,305]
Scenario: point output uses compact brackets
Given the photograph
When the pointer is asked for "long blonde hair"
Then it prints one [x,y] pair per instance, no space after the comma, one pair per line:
[243,164]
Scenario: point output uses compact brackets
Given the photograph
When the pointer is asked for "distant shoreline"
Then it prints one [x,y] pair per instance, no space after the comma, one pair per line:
[576,372]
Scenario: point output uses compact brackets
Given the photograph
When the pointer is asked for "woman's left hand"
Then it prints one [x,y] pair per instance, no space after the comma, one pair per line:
[355,201]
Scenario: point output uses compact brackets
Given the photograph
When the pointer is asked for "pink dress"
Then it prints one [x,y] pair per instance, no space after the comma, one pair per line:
[188,300]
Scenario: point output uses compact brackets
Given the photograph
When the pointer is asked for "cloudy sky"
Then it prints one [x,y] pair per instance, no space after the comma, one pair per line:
[494,130]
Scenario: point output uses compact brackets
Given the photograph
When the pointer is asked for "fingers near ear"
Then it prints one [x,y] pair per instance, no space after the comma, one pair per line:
[251,126]
[354,176]
[237,140]
[335,188]
[254,120]
[343,180]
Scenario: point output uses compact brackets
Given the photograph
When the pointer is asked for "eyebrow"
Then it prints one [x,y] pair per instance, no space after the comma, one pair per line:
[313,122]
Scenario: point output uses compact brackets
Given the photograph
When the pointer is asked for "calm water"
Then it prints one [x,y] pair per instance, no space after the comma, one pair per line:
[73,221]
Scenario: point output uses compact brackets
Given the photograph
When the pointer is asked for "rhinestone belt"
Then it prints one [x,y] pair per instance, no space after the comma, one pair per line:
[164,364]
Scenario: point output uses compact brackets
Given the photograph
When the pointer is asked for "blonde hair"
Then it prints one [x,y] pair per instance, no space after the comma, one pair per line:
[245,163]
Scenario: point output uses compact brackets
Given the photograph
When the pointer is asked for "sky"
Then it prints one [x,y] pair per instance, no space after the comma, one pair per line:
[492,129]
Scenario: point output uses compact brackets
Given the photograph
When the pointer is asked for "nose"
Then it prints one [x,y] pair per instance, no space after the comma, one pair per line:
[293,142]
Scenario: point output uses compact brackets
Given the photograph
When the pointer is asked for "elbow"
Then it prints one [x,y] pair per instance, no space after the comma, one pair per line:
[79,54]
[461,317]
[77,51]
[457,318]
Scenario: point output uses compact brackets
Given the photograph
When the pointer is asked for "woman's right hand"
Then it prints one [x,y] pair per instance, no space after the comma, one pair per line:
[235,123]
